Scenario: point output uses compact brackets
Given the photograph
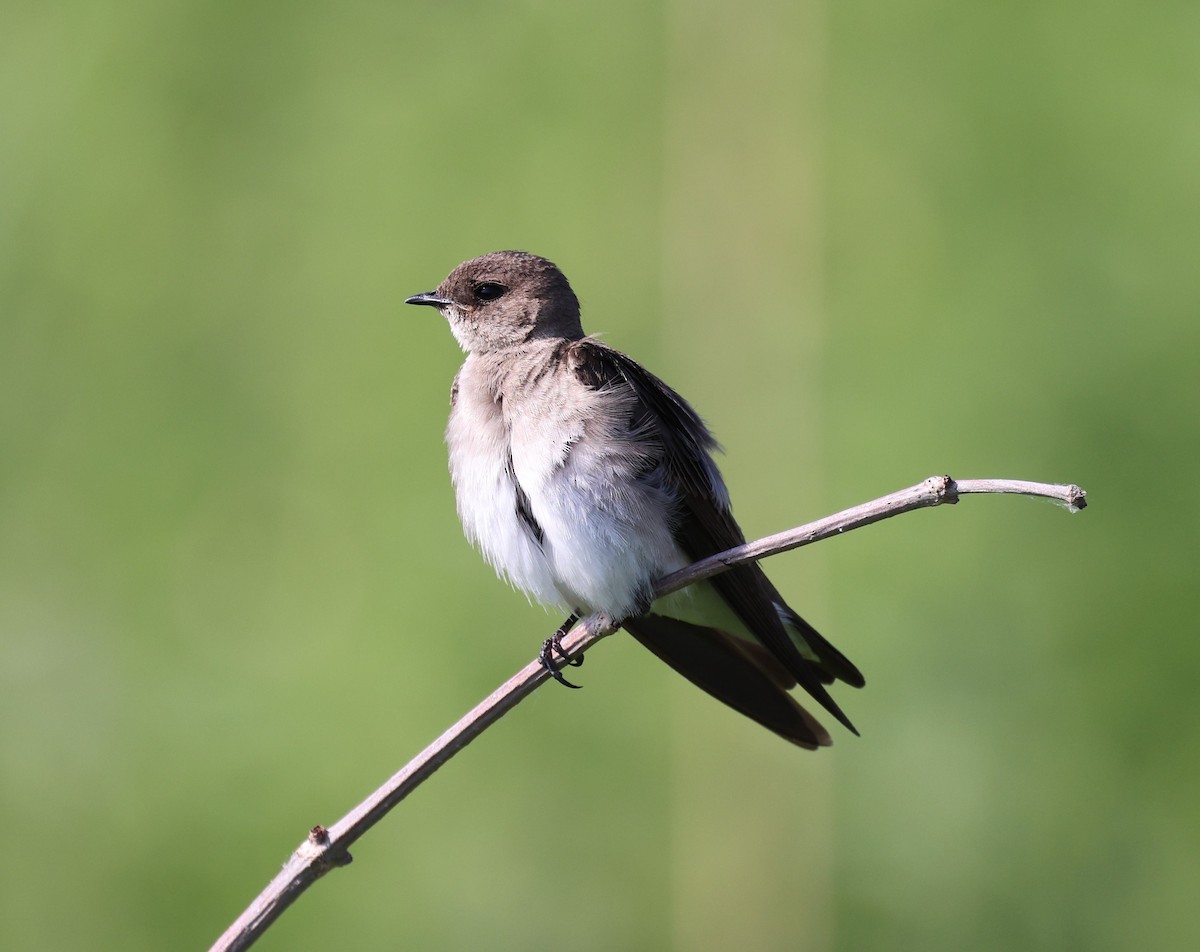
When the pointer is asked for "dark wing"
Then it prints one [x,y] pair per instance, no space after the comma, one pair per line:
[705,525]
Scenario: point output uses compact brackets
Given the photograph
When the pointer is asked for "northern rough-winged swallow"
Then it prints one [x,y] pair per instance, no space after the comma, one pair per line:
[584,478]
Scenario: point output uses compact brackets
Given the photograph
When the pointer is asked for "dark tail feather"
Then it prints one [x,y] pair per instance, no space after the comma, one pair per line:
[720,664]
[833,665]
[837,663]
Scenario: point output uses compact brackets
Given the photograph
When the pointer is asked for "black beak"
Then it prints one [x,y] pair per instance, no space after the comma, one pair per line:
[429,297]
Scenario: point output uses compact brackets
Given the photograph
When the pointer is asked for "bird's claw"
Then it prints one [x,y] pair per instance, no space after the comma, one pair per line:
[553,646]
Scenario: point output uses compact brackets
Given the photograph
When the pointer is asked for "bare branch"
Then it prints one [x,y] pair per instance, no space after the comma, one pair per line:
[326,849]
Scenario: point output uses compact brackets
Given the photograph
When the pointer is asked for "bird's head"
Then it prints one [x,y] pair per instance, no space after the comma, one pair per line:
[505,299]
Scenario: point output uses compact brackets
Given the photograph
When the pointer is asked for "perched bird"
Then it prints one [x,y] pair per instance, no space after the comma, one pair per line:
[583,478]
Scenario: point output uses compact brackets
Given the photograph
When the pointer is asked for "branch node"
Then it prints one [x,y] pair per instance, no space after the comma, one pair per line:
[318,853]
[318,836]
[944,488]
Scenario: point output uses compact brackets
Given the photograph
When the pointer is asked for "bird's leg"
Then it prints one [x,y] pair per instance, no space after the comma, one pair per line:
[558,636]
[553,645]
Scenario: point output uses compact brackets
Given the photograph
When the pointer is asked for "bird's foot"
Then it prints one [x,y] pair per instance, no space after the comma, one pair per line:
[553,646]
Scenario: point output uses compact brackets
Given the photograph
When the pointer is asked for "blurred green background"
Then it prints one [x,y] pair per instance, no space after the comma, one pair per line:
[871,242]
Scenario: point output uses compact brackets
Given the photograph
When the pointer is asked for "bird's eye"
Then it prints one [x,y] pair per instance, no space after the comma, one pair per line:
[489,291]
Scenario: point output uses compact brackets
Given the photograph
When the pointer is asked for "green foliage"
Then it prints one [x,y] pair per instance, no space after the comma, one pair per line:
[871,242]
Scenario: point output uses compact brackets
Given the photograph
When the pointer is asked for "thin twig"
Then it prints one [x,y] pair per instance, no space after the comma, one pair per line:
[326,849]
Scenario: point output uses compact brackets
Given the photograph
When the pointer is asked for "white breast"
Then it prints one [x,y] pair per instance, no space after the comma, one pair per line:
[605,533]
[478,440]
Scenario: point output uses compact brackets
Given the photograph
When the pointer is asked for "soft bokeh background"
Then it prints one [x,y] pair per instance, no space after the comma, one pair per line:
[870,241]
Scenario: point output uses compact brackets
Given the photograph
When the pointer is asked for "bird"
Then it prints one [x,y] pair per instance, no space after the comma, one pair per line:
[583,479]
